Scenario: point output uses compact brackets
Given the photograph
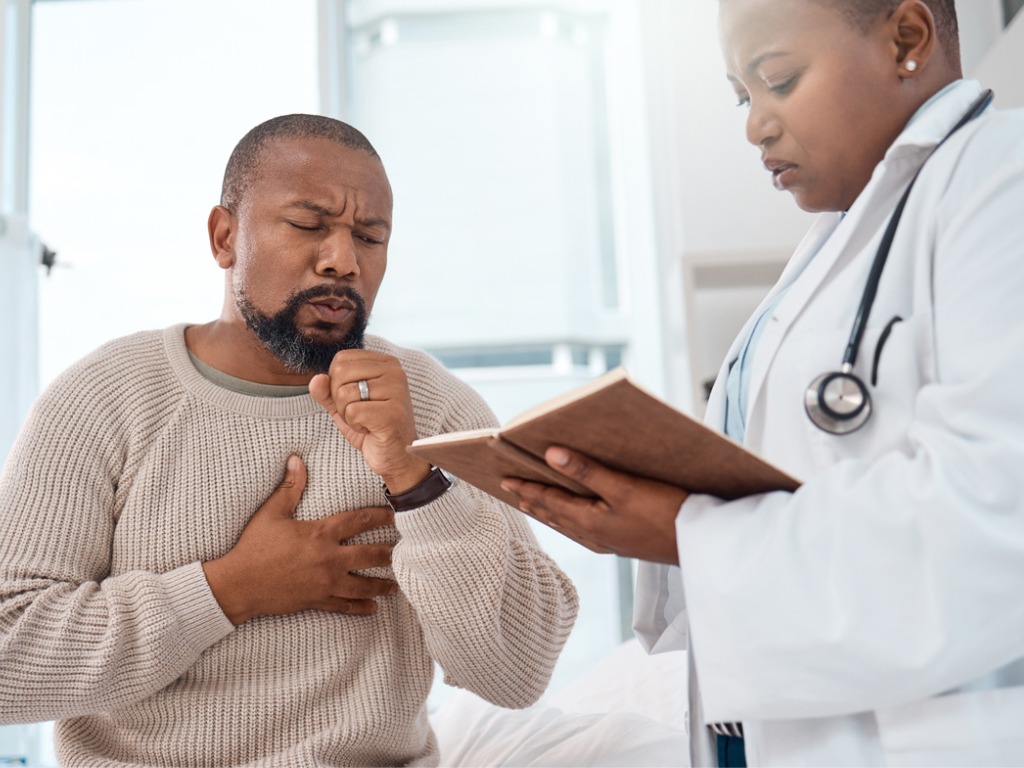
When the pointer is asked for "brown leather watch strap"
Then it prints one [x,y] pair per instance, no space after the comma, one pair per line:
[431,488]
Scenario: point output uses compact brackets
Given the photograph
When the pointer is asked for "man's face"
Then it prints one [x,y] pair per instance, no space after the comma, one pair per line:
[310,249]
[823,95]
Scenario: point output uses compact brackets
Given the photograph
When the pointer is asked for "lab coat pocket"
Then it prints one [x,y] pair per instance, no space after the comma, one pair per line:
[975,728]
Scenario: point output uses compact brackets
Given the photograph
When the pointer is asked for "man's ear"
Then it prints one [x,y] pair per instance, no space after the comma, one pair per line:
[222,227]
[914,36]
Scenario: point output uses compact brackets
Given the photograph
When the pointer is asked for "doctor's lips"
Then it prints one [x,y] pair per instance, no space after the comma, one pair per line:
[782,172]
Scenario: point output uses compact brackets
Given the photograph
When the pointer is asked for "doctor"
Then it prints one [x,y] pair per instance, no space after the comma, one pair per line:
[876,615]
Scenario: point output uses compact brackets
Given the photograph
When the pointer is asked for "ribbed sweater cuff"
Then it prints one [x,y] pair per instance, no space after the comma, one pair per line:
[448,518]
[201,619]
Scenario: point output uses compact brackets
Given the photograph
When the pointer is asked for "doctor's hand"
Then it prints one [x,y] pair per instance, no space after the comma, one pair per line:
[367,395]
[632,516]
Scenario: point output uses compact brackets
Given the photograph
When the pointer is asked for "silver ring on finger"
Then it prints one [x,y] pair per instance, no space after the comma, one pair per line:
[364,389]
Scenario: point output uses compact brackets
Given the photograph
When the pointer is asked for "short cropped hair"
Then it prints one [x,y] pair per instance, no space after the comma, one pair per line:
[864,13]
[244,164]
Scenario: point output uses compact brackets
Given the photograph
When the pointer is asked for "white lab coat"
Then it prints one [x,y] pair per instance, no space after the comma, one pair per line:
[876,616]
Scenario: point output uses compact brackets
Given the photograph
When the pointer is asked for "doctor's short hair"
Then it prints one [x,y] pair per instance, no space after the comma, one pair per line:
[864,13]
[244,164]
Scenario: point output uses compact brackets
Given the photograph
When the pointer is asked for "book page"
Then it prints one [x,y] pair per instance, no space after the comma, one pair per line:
[457,437]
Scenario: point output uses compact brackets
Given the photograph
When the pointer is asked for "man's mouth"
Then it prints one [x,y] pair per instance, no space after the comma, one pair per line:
[331,309]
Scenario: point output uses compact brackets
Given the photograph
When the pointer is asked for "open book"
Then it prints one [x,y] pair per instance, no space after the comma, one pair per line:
[616,421]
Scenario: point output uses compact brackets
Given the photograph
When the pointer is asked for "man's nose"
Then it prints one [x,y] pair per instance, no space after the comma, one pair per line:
[337,256]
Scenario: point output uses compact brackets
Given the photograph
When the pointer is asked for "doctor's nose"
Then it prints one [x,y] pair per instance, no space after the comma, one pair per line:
[762,126]
[337,256]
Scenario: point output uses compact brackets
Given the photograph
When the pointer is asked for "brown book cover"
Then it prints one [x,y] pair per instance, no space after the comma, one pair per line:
[619,423]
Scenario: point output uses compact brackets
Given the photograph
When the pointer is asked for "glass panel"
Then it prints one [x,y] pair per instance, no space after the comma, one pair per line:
[491,123]
[135,109]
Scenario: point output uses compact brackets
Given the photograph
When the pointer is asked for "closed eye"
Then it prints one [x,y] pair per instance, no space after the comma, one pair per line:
[742,97]
[303,227]
[784,87]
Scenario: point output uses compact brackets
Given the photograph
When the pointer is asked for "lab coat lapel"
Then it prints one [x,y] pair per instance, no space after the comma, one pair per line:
[820,230]
[837,245]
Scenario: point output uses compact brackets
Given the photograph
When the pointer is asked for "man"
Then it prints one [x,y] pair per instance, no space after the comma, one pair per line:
[143,603]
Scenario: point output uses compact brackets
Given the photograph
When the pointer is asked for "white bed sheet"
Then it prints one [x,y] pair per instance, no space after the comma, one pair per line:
[629,709]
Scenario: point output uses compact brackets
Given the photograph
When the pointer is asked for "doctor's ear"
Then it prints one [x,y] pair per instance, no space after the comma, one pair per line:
[914,36]
[222,226]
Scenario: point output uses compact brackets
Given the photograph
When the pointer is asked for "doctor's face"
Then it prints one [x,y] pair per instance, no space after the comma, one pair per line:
[819,93]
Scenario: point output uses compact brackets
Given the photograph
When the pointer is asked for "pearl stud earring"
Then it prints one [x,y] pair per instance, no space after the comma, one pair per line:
[911,65]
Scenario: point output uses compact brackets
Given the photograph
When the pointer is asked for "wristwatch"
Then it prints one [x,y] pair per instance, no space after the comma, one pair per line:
[431,488]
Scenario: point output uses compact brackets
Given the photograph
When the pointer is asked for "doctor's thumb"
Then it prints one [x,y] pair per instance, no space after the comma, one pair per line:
[575,465]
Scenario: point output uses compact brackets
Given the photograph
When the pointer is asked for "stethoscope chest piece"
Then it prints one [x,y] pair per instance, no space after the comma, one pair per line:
[838,402]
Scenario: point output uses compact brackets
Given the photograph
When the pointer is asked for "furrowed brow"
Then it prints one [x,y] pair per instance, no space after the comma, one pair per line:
[376,223]
[312,207]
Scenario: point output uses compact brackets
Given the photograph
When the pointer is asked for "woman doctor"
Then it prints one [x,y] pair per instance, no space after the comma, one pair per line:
[876,615]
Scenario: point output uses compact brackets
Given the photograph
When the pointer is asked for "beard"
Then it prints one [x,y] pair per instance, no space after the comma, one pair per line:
[280,335]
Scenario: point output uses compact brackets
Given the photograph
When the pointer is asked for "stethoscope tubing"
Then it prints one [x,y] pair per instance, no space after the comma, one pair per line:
[867,300]
[817,396]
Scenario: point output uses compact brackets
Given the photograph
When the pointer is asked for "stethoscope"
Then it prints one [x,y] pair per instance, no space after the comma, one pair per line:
[838,402]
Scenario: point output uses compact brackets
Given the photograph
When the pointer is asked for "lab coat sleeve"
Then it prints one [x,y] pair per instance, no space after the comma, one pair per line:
[889,578]
[659,615]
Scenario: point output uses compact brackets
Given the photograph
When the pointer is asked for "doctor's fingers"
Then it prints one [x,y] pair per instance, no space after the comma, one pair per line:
[645,530]
[639,500]
[581,519]
[617,488]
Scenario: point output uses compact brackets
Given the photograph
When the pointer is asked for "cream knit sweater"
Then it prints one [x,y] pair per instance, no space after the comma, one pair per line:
[133,469]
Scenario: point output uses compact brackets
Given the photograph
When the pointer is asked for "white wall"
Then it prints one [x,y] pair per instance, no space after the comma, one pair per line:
[1002,67]
[981,24]
[713,201]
